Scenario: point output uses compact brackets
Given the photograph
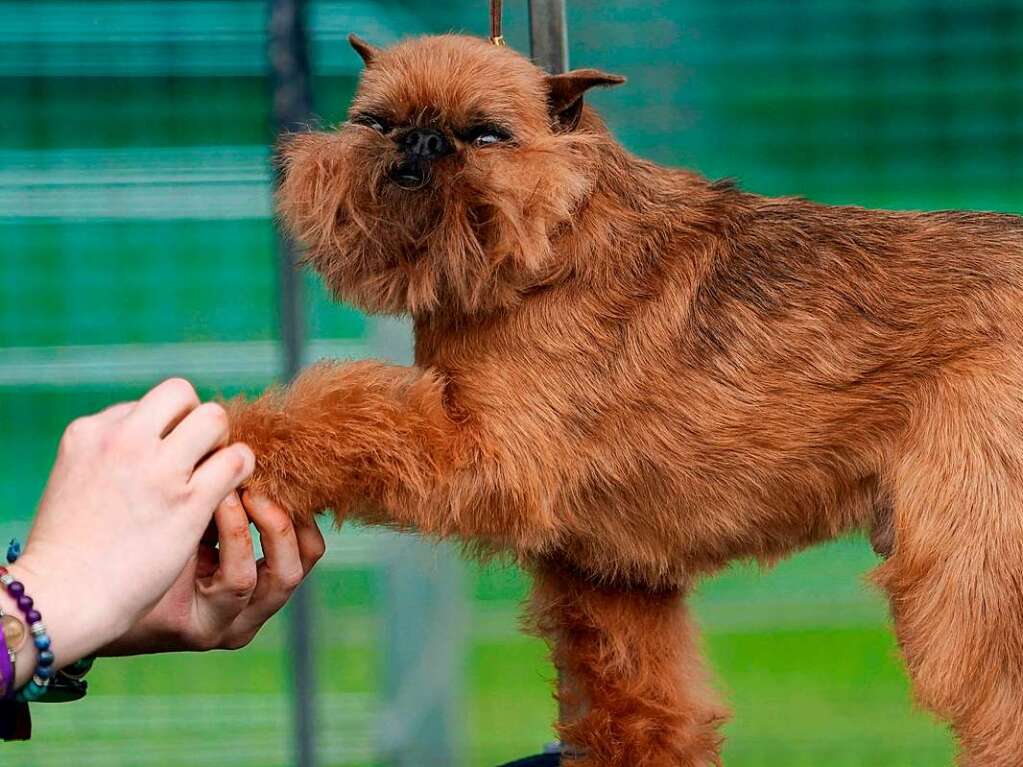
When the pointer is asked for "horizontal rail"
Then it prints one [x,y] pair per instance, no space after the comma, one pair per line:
[205,363]
[206,38]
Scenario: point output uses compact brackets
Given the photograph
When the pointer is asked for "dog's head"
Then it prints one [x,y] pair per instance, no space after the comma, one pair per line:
[442,190]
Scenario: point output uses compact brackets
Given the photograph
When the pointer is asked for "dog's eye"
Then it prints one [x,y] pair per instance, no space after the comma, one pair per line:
[486,135]
[377,123]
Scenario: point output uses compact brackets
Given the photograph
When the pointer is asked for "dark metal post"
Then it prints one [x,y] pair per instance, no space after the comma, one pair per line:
[548,35]
[548,38]
[292,109]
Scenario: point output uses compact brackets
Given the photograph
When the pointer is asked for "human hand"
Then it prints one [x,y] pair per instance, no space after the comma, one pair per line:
[224,596]
[131,493]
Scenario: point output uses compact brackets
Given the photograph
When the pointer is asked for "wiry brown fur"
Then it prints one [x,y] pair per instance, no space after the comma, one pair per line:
[629,376]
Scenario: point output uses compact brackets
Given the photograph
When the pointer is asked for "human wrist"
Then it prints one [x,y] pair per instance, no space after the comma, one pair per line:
[75,619]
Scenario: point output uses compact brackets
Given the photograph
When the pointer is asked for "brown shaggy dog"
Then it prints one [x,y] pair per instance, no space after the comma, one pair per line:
[629,376]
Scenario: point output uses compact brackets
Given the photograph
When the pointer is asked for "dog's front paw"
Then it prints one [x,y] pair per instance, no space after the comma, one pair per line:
[280,473]
[283,494]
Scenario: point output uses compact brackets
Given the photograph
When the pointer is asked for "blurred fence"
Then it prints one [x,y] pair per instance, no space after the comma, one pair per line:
[137,243]
[135,193]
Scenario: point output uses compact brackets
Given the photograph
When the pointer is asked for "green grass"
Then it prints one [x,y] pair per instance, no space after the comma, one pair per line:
[821,697]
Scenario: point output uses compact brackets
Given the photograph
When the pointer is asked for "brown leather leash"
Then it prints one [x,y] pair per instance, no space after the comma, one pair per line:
[496,7]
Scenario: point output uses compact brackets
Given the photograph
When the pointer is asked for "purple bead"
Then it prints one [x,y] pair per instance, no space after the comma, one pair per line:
[33,616]
[25,603]
[16,589]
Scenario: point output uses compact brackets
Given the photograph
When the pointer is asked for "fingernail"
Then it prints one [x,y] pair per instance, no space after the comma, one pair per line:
[232,500]
[250,458]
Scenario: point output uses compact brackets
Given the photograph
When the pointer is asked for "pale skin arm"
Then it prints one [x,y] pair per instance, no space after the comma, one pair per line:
[114,560]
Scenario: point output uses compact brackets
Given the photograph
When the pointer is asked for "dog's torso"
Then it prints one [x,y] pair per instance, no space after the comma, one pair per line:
[733,385]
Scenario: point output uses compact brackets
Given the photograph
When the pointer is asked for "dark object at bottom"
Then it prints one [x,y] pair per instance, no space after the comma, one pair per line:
[543,760]
[15,721]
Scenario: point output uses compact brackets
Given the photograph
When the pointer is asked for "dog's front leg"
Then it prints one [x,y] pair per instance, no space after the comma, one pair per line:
[375,441]
[345,435]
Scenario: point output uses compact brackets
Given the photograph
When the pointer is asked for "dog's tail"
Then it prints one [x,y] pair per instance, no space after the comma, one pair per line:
[633,691]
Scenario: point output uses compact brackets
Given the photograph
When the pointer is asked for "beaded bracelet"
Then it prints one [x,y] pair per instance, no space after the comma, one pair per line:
[44,660]
[67,684]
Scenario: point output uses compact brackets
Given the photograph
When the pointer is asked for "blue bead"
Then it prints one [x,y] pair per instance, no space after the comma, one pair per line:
[45,658]
[31,692]
[44,672]
[42,642]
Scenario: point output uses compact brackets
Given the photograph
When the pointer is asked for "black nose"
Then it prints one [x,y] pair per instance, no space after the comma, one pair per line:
[425,144]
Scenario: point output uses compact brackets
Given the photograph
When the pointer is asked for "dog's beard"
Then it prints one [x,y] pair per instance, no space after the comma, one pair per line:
[471,242]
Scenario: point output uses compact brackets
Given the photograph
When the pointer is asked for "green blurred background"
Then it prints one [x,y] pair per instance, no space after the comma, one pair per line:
[135,242]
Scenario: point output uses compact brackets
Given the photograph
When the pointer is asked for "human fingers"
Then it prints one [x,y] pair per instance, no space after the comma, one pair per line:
[219,474]
[279,540]
[199,433]
[228,591]
[311,545]
[116,412]
[280,571]
[162,407]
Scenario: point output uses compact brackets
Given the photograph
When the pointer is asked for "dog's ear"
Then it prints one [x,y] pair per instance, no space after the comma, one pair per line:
[365,50]
[565,94]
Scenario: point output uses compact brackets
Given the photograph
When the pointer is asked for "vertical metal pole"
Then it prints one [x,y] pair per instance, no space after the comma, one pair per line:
[548,42]
[292,109]
[424,627]
[548,35]
[425,654]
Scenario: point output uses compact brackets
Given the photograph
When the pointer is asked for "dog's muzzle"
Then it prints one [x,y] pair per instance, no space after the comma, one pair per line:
[420,147]
[410,174]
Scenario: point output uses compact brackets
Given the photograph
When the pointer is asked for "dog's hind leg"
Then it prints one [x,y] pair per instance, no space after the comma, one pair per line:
[955,574]
[634,691]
